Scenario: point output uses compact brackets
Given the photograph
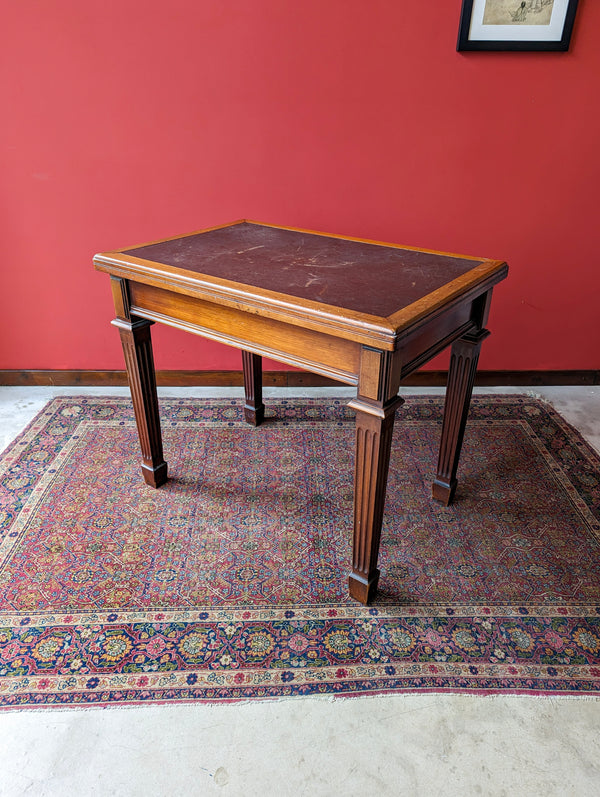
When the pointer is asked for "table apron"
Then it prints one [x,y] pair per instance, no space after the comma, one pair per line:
[313,351]
[436,333]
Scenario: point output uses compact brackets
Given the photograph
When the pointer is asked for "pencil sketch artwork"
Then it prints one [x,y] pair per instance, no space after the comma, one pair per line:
[517,12]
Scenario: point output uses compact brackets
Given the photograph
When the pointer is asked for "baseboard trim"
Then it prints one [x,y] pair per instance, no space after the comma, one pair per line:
[87,378]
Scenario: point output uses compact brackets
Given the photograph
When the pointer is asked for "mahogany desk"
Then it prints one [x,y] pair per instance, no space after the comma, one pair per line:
[361,312]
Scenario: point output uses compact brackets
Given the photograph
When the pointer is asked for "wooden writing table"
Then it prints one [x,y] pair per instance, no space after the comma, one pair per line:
[361,312]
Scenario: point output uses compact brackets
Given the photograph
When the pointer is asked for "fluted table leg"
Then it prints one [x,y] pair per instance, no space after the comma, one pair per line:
[137,348]
[461,377]
[375,405]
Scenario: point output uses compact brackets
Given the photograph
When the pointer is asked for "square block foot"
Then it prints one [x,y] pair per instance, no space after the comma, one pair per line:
[155,476]
[362,590]
[254,416]
[443,491]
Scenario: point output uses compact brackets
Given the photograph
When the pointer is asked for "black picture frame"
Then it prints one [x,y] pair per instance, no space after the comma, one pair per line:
[517,40]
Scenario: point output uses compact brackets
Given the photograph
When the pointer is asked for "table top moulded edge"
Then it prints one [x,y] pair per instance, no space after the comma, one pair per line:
[381,332]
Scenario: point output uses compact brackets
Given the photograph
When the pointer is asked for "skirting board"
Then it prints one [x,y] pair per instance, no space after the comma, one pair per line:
[63,378]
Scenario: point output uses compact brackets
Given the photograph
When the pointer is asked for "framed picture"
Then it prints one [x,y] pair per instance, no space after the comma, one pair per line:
[516,24]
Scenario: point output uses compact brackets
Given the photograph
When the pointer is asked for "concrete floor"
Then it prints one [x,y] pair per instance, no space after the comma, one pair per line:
[393,745]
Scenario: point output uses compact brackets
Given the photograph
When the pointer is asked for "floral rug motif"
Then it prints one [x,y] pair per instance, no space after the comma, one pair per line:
[230,581]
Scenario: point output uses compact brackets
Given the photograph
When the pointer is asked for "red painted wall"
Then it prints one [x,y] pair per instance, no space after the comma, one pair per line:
[125,121]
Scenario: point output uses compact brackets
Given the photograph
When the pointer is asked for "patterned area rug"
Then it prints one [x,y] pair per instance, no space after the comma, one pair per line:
[230,582]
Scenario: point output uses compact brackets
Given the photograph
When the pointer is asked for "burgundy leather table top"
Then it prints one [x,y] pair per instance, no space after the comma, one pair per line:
[365,277]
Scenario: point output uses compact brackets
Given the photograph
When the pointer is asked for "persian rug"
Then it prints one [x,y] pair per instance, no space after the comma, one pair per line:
[230,581]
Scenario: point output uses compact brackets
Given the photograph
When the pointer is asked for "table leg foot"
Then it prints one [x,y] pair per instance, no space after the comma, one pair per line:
[254,416]
[254,409]
[444,491]
[361,589]
[155,477]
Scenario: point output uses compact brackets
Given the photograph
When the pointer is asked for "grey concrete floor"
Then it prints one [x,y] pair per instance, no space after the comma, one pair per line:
[392,745]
